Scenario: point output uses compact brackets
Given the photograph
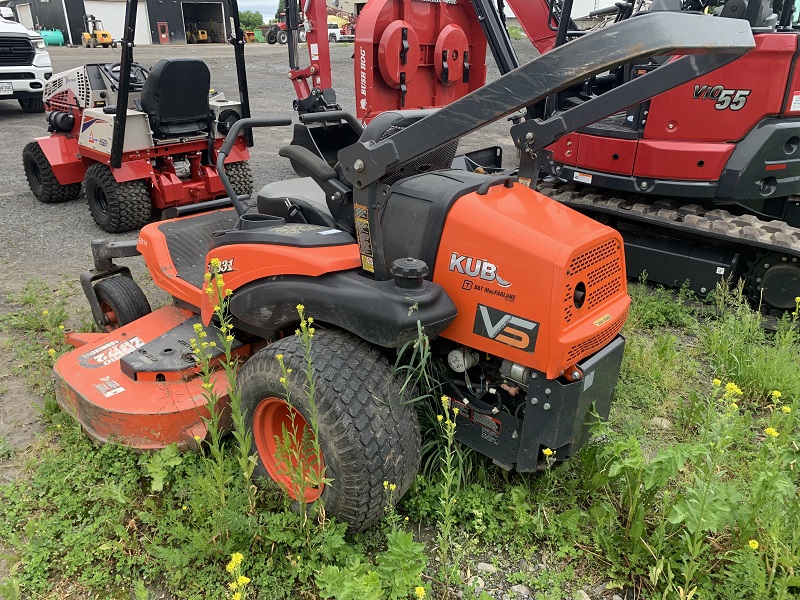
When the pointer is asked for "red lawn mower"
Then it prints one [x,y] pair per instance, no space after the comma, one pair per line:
[157,154]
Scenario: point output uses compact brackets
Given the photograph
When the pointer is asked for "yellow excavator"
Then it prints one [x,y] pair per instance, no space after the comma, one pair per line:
[94,34]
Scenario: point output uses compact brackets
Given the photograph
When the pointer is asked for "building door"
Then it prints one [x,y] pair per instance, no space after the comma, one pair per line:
[112,14]
[25,15]
[163,33]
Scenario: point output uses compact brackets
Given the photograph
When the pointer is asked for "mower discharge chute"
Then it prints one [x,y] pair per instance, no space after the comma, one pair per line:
[521,297]
[158,153]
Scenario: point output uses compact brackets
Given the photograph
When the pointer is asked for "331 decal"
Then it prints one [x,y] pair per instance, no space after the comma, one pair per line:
[725,98]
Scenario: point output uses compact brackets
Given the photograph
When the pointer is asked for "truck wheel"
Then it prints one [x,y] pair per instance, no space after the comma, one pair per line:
[241,177]
[368,432]
[332,38]
[283,37]
[92,43]
[31,105]
[301,36]
[114,44]
[272,36]
[116,207]
[42,180]
[122,301]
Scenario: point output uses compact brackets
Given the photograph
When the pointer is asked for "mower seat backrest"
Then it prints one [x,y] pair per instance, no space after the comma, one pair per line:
[296,200]
[175,97]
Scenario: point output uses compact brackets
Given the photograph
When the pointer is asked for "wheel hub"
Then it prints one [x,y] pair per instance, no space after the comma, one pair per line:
[273,419]
[780,285]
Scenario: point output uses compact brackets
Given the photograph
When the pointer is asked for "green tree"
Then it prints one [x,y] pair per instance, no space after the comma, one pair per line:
[281,9]
[250,19]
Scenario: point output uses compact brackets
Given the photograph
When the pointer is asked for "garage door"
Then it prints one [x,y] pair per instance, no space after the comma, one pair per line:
[112,14]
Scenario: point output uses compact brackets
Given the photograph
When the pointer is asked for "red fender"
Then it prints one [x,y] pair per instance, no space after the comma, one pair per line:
[62,154]
[238,153]
[133,169]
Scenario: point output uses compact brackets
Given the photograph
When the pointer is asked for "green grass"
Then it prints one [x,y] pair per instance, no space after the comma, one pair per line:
[689,491]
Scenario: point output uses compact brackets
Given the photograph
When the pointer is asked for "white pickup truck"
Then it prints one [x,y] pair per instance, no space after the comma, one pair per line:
[24,64]
[335,34]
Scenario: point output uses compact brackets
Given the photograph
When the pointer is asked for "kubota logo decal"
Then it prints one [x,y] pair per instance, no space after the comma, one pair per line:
[725,98]
[476,267]
[505,328]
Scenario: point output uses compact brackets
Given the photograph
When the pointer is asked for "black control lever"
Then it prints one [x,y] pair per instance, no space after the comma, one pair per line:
[230,140]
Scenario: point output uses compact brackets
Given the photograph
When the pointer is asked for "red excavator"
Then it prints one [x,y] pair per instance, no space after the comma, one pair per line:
[701,181]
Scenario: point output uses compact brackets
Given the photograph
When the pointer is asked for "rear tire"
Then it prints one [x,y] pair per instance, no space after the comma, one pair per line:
[241,177]
[283,37]
[92,43]
[116,207]
[122,301]
[368,431]
[31,105]
[332,39]
[301,36]
[272,36]
[42,180]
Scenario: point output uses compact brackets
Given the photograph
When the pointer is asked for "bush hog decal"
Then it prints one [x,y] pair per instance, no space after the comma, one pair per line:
[109,352]
[503,327]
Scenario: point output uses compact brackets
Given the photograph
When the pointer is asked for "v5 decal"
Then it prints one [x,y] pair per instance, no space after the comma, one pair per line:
[505,328]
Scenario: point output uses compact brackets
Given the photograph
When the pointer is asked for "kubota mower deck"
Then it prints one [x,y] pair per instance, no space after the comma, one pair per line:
[137,384]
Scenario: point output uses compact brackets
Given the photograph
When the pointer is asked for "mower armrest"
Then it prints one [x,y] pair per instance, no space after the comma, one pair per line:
[317,168]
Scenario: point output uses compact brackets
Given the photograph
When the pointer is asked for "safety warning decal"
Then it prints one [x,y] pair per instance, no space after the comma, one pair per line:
[795,101]
[108,387]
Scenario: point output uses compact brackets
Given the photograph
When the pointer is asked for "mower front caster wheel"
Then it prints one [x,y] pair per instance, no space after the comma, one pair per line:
[368,431]
[121,301]
[31,105]
[42,180]
[116,207]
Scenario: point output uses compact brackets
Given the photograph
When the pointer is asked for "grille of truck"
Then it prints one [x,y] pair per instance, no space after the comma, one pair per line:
[15,51]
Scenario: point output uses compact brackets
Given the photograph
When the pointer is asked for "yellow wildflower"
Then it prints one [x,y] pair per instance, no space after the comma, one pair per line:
[236,560]
[786,409]
[753,544]
[228,291]
[283,380]
[385,485]
[198,328]
[279,356]
[771,432]
[419,592]
[228,338]
[243,580]
[216,308]
[207,385]
[233,585]
[455,411]
[45,312]
[300,308]
[207,277]
[734,406]
[237,596]
[310,320]
[392,486]
[215,263]
[548,452]
[184,507]
[61,328]
[197,438]
[775,394]
[732,389]
[716,382]
[439,418]
[51,352]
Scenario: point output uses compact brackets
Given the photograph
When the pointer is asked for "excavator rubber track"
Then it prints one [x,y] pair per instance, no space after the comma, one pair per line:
[755,238]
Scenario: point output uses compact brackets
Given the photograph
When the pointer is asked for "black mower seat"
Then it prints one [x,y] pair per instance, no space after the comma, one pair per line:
[298,200]
[175,97]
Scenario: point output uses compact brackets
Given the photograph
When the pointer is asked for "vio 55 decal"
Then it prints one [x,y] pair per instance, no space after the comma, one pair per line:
[506,328]
[733,99]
